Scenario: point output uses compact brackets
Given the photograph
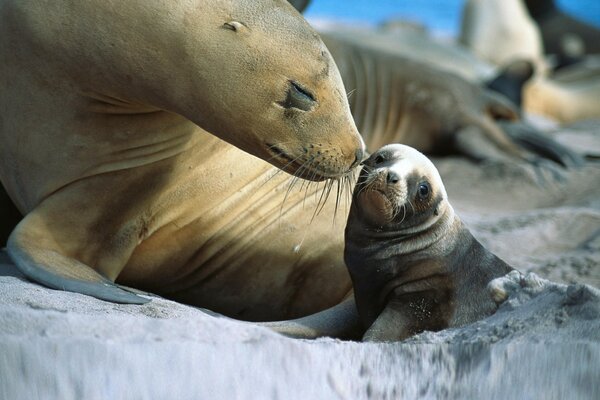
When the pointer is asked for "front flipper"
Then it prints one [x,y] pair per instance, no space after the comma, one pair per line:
[40,259]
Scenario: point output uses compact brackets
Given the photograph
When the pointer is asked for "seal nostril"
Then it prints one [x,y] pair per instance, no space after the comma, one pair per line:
[359,156]
[392,178]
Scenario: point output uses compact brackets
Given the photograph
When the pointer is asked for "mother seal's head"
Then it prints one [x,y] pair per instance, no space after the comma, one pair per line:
[252,72]
[274,89]
[414,265]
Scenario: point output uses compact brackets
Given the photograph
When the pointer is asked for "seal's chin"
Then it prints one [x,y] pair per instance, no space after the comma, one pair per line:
[377,205]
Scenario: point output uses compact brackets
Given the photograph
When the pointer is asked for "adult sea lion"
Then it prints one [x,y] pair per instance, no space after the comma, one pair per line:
[102,150]
[502,32]
[559,28]
[413,263]
[398,99]
[120,122]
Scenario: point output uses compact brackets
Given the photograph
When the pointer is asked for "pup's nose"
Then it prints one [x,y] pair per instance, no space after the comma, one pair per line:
[392,178]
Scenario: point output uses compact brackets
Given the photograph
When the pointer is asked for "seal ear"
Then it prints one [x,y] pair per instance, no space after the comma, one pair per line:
[299,5]
[233,26]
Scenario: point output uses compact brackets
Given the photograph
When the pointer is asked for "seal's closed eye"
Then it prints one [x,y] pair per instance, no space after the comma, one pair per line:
[298,97]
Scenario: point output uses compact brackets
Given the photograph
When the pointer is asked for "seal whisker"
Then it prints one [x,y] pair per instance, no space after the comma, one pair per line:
[322,198]
[308,186]
[296,177]
[278,170]
[337,200]
[329,187]
[411,206]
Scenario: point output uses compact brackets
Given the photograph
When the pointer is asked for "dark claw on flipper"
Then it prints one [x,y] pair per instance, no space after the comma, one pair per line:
[538,143]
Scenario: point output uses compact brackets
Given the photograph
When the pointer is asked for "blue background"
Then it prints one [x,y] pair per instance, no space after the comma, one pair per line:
[442,16]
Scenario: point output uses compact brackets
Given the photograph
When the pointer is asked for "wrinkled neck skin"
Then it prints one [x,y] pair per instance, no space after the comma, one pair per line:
[380,257]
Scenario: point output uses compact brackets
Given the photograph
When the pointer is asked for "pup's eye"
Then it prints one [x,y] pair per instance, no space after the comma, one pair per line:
[298,97]
[424,190]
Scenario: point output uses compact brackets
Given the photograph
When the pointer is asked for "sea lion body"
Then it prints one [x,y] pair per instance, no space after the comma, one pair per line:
[142,140]
[502,32]
[105,148]
[413,263]
[558,28]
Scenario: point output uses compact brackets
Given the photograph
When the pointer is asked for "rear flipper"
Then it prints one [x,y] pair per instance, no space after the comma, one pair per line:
[40,259]
[340,321]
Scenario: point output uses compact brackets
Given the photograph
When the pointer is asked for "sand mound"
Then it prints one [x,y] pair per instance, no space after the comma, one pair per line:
[544,341]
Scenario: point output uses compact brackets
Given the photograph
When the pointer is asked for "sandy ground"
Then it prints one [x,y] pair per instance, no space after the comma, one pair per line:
[543,343]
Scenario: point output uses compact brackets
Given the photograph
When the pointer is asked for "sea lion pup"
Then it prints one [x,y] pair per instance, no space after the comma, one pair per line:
[413,263]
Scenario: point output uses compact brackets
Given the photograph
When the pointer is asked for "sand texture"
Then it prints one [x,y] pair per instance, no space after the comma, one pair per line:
[543,343]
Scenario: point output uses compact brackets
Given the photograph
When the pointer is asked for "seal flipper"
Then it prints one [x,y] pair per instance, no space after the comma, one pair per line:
[33,255]
[499,134]
[299,5]
[392,325]
[481,139]
[536,142]
[340,321]
[511,79]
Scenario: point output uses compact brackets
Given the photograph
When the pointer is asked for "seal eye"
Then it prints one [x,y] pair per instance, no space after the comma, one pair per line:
[298,97]
[424,190]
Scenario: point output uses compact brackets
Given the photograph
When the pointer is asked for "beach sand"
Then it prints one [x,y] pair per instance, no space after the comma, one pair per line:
[543,343]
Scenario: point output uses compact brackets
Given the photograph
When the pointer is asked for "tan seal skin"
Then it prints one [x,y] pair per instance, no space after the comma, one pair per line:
[105,144]
[105,112]
[413,263]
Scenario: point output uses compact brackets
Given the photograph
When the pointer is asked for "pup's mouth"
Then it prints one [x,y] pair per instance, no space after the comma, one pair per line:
[373,182]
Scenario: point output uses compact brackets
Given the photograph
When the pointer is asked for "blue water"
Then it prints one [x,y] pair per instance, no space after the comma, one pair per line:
[438,15]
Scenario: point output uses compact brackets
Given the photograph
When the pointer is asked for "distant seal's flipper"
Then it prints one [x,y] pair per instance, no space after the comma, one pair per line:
[511,79]
[536,142]
[299,5]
